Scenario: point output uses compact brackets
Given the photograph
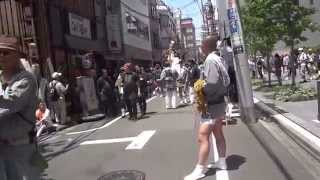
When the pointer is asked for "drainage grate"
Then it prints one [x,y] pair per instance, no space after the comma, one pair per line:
[124,175]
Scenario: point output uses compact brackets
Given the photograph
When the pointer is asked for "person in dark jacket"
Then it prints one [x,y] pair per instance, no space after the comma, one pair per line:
[129,80]
[142,84]
[106,94]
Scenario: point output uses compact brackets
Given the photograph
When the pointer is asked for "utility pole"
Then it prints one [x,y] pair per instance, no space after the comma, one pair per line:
[241,64]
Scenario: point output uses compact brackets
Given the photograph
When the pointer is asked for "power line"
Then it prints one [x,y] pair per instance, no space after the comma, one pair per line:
[187,5]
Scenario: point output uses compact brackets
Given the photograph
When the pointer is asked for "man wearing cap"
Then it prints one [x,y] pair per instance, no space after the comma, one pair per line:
[58,91]
[18,101]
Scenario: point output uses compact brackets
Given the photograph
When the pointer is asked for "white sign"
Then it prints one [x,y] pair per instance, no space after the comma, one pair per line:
[88,95]
[79,26]
[137,142]
[113,30]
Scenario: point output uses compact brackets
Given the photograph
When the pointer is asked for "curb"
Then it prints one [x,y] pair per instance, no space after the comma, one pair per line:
[302,136]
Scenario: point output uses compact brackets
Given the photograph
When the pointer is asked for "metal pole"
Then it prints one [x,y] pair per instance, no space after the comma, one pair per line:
[318,88]
[241,64]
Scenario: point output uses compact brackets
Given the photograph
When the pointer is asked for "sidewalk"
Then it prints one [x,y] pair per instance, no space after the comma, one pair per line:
[297,119]
[306,111]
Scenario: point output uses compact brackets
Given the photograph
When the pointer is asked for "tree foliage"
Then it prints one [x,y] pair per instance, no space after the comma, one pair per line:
[265,22]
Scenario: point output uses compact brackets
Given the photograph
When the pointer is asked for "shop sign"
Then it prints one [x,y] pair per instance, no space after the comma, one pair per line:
[79,26]
[113,30]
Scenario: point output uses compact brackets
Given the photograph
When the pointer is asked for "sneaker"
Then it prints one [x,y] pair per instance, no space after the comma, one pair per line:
[221,164]
[195,175]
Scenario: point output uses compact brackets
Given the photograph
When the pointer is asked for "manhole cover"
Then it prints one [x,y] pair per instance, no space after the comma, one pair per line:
[124,175]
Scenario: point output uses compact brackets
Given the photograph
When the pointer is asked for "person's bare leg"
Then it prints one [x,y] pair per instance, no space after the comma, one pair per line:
[204,143]
[220,140]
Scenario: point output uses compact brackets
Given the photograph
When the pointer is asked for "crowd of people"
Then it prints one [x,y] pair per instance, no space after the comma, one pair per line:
[305,63]
[205,84]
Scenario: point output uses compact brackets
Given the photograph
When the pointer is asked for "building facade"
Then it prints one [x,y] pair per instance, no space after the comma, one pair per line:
[168,31]
[155,31]
[17,20]
[136,31]
[188,38]
[313,37]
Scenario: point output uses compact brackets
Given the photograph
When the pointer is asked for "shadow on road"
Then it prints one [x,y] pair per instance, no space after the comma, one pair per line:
[233,162]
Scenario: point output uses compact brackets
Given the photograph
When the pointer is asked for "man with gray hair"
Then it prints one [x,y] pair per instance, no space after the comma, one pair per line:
[18,101]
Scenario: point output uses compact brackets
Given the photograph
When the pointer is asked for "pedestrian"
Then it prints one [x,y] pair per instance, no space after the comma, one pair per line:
[130,90]
[227,55]
[169,78]
[119,84]
[18,102]
[260,67]
[43,118]
[278,68]
[252,68]
[143,94]
[193,77]
[286,61]
[303,62]
[217,81]
[57,92]
[106,94]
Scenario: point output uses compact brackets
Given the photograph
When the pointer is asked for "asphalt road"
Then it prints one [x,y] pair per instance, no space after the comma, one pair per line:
[168,154]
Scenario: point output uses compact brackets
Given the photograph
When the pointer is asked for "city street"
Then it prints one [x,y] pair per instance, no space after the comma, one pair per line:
[166,149]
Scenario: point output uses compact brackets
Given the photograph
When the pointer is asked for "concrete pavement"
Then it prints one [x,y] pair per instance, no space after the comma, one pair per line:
[169,154]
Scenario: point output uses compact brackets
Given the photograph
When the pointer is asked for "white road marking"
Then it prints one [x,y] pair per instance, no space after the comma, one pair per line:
[222,175]
[141,140]
[235,115]
[137,142]
[314,139]
[108,141]
[255,100]
[316,121]
[214,149]
[106,125]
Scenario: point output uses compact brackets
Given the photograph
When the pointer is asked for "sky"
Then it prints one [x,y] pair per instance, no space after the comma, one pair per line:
[189,9]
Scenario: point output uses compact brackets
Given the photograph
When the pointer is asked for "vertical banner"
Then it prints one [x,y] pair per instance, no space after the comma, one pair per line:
[113,31]
[235,27]
[88,95]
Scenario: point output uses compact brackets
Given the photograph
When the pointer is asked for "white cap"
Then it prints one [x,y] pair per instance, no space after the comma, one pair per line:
[300,49]
[56,75]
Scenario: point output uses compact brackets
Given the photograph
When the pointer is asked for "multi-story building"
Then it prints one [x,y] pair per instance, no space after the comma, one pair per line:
[188,38]
[313,37]
[155,31]
[167,25]
[136,31]
[69,29]
[17,20]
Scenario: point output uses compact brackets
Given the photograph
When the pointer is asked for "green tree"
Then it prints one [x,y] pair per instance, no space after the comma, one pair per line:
[261,33]
[293,20]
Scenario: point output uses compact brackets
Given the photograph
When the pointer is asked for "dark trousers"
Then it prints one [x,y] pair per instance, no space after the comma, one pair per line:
[131,105]
[143,103]
[109,108]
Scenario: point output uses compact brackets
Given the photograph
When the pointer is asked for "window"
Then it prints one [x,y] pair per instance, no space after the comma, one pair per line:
[136,27]
[190,38]
[189,45]
[189,30]
[311,2]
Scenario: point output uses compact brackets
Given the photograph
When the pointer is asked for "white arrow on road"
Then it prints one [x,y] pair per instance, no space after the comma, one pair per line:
[137,142]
